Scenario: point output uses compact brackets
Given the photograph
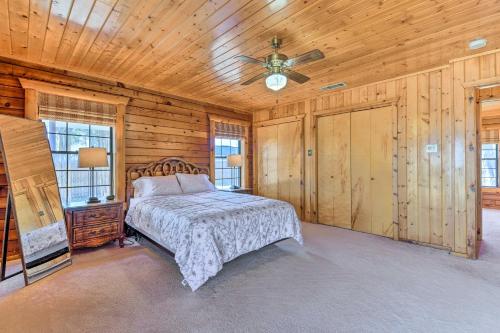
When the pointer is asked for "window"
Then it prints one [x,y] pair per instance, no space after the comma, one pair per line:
[489,165]
[65,139]
[224,175]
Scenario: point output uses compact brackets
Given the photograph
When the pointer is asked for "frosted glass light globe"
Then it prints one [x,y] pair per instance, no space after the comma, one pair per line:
[276,81]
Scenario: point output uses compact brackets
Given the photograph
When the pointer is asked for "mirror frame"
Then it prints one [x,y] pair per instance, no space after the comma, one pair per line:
[53,261]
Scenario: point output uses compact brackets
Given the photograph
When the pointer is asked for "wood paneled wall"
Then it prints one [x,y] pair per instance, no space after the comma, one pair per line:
[157,125]
[436,191]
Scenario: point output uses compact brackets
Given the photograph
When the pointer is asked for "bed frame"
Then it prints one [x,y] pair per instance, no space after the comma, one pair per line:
[164,167]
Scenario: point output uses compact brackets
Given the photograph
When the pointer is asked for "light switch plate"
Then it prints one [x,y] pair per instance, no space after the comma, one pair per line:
[431,148]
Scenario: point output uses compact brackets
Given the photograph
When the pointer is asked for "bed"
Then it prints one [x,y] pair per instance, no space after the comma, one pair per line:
[204,230]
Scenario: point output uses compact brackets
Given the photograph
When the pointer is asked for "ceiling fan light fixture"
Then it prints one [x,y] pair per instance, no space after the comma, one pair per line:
[276,81]
[279,67]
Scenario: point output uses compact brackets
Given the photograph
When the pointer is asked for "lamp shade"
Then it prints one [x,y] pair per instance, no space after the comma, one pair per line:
[233,161]
[92,157]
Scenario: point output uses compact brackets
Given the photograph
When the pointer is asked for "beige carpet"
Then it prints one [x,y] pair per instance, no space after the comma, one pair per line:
[340,281]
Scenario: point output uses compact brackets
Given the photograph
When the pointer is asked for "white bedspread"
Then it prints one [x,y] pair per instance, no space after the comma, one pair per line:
[207,229]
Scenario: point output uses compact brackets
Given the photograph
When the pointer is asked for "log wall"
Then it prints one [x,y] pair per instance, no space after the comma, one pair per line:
[157,125]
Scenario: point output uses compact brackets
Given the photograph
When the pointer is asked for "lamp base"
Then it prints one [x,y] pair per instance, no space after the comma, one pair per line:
[93,200]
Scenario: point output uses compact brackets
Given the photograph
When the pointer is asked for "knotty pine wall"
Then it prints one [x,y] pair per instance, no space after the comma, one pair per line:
[436,192]
[157,125]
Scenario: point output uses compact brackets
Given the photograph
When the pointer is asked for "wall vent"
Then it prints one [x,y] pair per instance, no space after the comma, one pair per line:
[334,86]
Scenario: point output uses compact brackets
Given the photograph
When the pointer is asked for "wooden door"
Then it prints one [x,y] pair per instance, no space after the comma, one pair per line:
[325,170]
[361,206]
[267,143]
[371,171]
[290,164]
[279,163]
[381,171]
[334,174]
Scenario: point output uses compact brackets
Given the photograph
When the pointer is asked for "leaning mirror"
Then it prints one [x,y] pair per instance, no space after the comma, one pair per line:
[34,197]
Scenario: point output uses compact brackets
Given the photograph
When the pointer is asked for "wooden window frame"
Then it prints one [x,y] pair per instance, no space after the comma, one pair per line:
[68,153]
[245,174]
[33,87]
[489,159]
[226,167]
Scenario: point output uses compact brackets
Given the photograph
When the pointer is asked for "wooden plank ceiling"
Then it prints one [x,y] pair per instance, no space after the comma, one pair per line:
[186,47]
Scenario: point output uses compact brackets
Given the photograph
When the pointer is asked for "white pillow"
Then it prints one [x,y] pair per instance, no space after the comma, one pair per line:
[194,183]
[153,186]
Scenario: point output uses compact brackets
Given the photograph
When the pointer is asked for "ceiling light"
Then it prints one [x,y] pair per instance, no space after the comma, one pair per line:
[276,81]
[477,43]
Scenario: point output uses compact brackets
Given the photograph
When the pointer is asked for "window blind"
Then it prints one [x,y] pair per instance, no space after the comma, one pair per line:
[229,131]
[490,136]
[53,107]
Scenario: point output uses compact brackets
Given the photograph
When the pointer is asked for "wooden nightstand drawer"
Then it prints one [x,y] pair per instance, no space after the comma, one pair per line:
[91,225]
[82,234]
[96,215]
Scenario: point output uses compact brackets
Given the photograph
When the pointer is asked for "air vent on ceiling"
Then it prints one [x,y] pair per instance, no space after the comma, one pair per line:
[334,86]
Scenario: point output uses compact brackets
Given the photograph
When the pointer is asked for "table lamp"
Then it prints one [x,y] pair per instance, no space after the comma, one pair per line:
[234,161]
[92,158]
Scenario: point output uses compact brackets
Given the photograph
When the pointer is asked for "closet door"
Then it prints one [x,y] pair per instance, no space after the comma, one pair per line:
[381,171]
[267,162]
[371,177]
[361,207]
[334,174]
[290,164]
[325,170]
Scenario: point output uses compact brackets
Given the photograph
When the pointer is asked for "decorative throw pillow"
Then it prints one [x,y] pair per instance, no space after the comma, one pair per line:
[154,186]
[194,183]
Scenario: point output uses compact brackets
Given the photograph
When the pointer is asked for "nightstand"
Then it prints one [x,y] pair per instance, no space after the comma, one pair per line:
[92,225]
[238,190]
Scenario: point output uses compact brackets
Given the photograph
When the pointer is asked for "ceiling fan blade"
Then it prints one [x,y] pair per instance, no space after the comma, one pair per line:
[255,78]
[297,77]
[305,58]
[250,60]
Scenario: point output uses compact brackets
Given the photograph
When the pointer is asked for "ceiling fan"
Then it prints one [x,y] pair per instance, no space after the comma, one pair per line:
[278,66]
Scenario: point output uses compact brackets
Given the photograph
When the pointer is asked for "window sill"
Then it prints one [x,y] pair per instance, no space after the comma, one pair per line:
[490,189]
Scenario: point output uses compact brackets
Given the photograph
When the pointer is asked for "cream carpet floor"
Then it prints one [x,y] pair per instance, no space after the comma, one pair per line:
[340,281]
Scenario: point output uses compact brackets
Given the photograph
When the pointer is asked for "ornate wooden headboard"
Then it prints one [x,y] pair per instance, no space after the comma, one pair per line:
[164,167]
